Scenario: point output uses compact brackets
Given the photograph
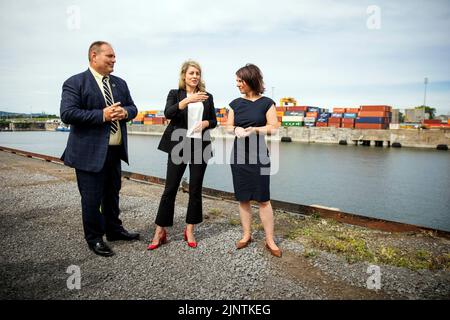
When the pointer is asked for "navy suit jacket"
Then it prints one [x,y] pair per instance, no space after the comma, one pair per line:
[82,106]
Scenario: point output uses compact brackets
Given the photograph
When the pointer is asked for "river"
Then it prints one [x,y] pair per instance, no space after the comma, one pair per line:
[406,185]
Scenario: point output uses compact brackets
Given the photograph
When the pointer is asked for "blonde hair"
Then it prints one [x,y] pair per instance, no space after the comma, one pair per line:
[182,83]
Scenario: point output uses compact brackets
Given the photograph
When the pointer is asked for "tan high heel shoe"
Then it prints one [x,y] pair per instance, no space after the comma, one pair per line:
[243,244]
[274,252]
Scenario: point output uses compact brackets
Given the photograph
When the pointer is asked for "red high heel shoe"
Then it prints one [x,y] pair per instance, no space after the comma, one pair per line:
[190,244]
[161,241]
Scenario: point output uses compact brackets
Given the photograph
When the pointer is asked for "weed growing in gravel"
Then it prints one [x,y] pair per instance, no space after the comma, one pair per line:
[215,212]
[359,244]
[234,222]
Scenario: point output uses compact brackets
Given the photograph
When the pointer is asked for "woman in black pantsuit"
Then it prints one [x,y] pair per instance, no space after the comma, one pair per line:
[187,141]
[250,118]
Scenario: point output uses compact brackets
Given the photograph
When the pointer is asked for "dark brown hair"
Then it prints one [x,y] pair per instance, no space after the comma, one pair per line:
[253,77]
[95,46]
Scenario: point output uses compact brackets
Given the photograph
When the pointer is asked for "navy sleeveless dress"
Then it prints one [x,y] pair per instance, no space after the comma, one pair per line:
[250,162]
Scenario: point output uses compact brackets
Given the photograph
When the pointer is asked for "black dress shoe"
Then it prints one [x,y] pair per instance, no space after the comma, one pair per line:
[123,235]
[101,249]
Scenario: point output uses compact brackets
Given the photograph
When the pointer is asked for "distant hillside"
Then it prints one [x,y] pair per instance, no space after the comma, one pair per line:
[4,114]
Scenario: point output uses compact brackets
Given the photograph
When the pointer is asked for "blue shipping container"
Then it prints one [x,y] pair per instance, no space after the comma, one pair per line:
[350,115]
[372,120]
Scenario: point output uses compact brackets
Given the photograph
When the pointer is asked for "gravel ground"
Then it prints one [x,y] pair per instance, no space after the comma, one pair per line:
[42,236]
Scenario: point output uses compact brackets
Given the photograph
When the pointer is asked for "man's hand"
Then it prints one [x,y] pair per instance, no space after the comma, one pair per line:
[108,111]
[114,112]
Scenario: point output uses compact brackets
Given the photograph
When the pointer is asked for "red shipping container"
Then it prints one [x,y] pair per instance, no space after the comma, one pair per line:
[279,109]
[339,110]
[432,121]
[348,120]
[321,124]
[335,120]
[375,108]
[297,108]
[312,114]
[336,125]
[380,114]
[371,126]
[348,125]
[352,110]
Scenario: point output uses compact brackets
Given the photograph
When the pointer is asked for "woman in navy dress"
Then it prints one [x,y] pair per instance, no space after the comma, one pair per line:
[250,118]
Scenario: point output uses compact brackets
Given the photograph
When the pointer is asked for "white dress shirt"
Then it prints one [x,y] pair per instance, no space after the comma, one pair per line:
[195,115]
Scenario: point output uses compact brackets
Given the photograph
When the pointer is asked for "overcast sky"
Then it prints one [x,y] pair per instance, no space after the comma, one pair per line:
[323,53]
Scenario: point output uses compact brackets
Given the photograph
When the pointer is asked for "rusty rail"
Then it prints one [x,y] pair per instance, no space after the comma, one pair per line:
[344,217]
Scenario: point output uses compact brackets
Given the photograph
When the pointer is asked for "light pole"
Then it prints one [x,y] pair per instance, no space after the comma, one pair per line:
[425,92]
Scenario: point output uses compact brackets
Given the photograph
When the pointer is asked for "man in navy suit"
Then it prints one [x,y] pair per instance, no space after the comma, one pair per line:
[97,106]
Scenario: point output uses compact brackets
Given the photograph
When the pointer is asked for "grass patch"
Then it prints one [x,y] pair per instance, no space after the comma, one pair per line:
[215,212]
[357,244]
[234,222]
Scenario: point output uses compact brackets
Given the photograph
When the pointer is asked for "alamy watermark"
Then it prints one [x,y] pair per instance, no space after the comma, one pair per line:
[374,20]
[74,280]
[250,150]
[73,21]
[374,281]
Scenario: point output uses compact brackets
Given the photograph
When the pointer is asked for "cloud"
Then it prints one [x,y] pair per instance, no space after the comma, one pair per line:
[320,52]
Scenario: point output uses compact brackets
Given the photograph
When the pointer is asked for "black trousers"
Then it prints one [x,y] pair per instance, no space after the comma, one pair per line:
[164,217]
[100,198]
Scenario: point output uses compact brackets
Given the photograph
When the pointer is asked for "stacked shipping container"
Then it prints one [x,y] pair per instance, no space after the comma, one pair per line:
[150,117]
[222,116]
[373,117]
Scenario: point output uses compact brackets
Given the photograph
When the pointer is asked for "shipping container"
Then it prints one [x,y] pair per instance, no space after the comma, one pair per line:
[375,108]
[312,114]
[350,115]
[352,110]
[374,114]
[309,119]
[348,125]
[321,124]
[297,108]
[372,120]
[339,110]
[371,125]
[292,118]
[292,124]
[431,121]
[313,109]
[336,115]
[294,113]
[336,125]
[348,120]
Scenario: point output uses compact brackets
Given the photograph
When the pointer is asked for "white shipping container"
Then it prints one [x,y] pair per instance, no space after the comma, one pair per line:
[292,118]
[310,119]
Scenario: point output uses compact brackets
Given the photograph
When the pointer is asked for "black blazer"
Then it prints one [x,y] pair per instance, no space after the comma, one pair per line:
[178,120]
[82,106]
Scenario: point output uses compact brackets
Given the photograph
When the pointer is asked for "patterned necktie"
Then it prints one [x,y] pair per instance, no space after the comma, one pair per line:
[109,101]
